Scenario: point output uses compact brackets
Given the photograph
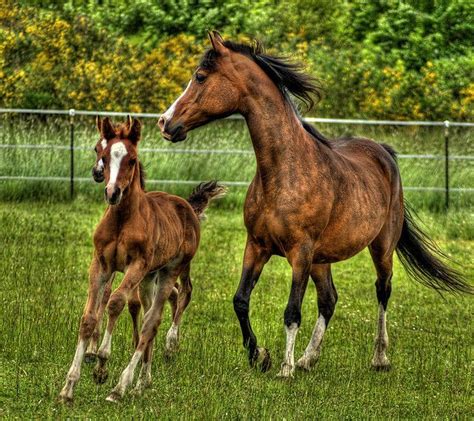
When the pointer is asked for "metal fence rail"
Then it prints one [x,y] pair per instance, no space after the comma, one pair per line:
[71,147]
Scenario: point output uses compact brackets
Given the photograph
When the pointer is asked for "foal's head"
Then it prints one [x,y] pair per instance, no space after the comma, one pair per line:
[230,78]
[117,155]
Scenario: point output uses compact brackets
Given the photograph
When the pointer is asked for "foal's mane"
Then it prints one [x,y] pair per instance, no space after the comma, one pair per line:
[121,131]
[287,75]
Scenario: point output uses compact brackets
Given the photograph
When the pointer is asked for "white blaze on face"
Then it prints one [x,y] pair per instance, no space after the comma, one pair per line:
[117,153]
[103,143]
[168,115]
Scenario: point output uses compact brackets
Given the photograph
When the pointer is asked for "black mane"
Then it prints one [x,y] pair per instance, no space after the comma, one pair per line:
[288,76]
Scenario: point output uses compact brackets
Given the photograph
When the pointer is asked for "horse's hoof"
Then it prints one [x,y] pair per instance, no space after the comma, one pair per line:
[304,364]
[114,397]
[90,358]
[381,367]
[261,359]
[286,371]
[100,375]
[66,400]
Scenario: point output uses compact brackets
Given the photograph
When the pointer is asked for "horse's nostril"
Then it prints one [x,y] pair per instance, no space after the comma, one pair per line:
[162,122]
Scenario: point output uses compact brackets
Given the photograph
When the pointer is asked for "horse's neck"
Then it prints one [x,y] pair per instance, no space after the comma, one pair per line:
[279,139]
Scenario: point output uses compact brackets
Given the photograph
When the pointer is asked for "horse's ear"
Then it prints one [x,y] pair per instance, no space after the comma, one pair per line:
[129,121]
[217,41]
[107,130]
[135,131]
[98,122]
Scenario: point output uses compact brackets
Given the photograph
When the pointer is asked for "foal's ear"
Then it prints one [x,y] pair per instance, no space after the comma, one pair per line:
[135,131]
[129,121]
[107,130]
[98,122]
[217,41]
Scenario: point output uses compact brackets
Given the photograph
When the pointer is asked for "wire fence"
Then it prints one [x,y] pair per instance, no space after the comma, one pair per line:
[72,147]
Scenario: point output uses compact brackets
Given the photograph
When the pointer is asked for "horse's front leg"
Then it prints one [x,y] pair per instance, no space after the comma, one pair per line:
[135,273]
[97,281]
[300,259]
[255,258]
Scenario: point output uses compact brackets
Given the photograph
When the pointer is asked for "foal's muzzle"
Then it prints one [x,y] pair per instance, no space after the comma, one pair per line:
[113,195]
[172,132]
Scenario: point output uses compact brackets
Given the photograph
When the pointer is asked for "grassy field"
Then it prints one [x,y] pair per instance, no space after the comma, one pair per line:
[224,135]
[46,248]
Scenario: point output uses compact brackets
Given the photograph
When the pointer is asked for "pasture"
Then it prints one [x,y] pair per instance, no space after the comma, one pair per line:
[46,249]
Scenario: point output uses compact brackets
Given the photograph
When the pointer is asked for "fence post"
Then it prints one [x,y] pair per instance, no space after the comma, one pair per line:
[72,113]
[446,163]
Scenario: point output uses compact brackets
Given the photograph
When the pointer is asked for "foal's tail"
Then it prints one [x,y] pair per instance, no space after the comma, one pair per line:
[203,194]
[423,260]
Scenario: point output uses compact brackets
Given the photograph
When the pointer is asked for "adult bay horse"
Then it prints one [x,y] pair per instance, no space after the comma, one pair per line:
[149,236]
[313,200]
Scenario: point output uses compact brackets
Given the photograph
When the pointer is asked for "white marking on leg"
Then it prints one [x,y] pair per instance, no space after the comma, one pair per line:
[381,341]
[144,378]
[117,153]
[288,365]
[312,351]
[126,378]
[168,114]
[172,338]
[106,346]
[74,371]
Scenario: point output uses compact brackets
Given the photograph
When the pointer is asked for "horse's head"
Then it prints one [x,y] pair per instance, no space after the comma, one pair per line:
[117,154]
[216,90]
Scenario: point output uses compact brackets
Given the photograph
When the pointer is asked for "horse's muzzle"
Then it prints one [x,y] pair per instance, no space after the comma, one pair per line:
[173,133]
[97,175]
[113,196]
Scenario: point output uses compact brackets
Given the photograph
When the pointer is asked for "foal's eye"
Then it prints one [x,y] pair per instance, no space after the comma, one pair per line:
[200,78]
[132,162]
[95,149]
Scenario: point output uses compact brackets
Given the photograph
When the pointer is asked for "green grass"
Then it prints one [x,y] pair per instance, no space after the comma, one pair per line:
[223,135]
[46,248]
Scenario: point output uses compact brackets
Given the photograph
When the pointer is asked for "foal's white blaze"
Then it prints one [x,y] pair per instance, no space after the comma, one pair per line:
[103,143]
[170,111]
[100,165]
[117,153]
[288,365]
[314,346]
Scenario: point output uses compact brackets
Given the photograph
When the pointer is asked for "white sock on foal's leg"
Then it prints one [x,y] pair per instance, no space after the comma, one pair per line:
[125,379]
[74,371]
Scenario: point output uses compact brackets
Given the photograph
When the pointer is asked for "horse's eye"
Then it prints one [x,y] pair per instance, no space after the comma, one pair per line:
[132,162]
[95,149]
[200,78]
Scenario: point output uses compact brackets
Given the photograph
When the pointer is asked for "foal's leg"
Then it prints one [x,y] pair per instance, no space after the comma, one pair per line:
[135,273]
[184,297]
[97,280]
[300,261]
[147,293]
[134,307]
[151,323]
[255,258]
[383,265]
[327,298]
[91,352]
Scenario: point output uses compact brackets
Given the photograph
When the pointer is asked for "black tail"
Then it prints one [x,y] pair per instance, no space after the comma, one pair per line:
[423,260]
[203,194]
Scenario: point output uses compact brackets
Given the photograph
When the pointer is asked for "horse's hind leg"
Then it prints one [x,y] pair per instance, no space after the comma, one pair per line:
[184,297]
[134,307]
[327,298]
[383,262]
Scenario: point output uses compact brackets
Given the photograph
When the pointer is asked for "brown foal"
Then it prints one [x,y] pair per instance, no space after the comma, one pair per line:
[151,238]
[313,200]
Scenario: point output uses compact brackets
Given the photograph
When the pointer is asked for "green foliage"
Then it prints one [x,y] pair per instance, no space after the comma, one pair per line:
[395,59]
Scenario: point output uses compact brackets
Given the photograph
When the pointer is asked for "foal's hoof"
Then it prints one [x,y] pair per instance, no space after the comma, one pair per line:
[384,367]
[90,357]
[100,375]
[261,359]
[304,364]
[114,397]
[66,400]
